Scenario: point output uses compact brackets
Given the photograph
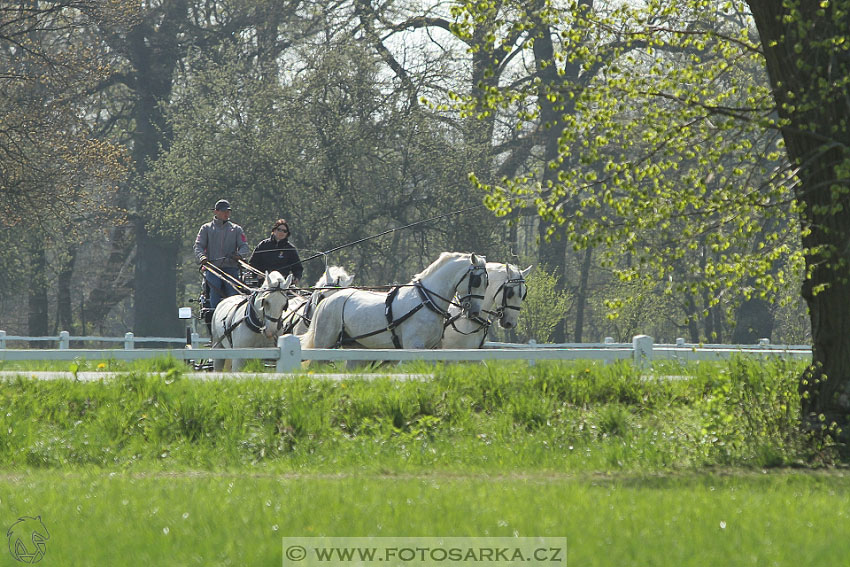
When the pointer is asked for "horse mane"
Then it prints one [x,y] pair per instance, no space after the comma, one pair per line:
[334,274]
[274,280]
[444,258]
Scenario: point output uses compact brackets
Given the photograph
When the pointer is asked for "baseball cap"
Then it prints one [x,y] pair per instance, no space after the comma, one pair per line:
[222,205]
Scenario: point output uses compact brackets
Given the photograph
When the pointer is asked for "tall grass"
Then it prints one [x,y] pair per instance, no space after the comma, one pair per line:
[549,416]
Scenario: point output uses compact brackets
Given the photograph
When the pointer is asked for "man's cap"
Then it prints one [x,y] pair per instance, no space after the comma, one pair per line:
[222,205]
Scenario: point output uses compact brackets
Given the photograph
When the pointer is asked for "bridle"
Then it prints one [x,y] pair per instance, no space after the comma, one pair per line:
[508,289]
[476,275]
[278,321]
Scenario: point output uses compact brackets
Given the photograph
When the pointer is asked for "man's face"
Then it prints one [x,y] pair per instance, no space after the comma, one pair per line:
[222,215]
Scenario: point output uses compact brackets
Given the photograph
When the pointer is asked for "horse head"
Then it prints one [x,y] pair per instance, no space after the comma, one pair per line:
[335,276]
[510,296]
[471,296]
[271,301]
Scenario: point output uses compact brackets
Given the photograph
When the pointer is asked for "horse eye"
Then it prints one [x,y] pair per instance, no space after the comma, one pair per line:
[475,281]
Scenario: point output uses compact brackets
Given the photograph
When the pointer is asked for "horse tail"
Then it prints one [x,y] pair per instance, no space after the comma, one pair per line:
[308,339]
[326,323]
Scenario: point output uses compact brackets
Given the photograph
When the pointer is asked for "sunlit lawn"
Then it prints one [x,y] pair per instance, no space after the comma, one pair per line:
[161,470]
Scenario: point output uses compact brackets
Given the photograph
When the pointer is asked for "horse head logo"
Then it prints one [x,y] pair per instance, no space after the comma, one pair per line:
[27,539]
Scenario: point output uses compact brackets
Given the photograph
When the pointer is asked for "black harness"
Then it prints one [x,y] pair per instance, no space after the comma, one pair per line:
[475,275]
[254,321]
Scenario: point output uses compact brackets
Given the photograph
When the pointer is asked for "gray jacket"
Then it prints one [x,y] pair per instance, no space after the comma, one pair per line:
[220,242]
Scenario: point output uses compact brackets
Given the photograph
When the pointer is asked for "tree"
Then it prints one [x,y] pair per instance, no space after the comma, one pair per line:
[673,151]
[807,54]
[54,168]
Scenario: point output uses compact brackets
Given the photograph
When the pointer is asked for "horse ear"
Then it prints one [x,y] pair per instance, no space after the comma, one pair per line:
[287,282]
[526,271]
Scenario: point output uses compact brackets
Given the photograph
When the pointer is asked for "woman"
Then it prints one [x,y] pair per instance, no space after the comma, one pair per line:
[276,253]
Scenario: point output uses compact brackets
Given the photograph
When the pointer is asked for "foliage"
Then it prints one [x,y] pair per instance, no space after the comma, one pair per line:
[50,156]
[544,306]
[334,149]
[667,154]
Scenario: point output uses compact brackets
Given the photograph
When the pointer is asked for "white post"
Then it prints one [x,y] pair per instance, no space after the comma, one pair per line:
[64,340]
[290,354]
[764,343]
[2,339]
[609,340]
[128,341]
[680,342]
[196,340]
[642,345]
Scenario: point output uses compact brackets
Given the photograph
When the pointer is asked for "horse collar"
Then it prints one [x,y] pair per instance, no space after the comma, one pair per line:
[252,321]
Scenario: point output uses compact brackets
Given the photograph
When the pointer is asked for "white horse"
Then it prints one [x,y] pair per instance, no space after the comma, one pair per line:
[243,320]
[298,315]
[506,292]
[408,316]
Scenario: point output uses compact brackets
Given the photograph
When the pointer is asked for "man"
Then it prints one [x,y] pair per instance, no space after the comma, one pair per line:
[222,244]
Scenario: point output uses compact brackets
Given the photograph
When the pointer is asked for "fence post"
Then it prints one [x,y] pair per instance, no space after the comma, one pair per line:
[532,344]
[128,341]
[290,354]
[196,340]
[2,339]
[642,345]
[64,340]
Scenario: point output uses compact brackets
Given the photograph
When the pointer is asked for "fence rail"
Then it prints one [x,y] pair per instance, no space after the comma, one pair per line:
[289,355]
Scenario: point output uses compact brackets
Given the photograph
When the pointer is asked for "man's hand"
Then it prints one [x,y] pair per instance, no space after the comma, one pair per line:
[204,260]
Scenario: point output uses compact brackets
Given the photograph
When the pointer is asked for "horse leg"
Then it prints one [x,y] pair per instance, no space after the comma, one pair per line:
[218,364]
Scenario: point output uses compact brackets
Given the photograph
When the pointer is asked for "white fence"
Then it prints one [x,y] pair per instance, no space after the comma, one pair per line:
[289,355]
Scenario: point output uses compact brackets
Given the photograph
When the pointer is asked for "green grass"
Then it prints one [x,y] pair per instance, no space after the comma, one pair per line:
[633,468]
[226,519]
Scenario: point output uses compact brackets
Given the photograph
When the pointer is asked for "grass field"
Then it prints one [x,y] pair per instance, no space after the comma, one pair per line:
[633,469]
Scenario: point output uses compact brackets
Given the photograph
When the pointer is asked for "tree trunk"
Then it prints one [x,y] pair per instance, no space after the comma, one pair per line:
[581,296]
[64,309]
[113,283]
[803,63]
[753,321]
[156,288]
[37,318]
[154,50]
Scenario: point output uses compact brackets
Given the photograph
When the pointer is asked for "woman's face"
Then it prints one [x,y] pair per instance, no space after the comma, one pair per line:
[281,232]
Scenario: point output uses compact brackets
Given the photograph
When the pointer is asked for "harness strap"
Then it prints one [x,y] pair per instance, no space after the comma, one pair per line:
[388,313]
[228,329]
[287,324]
[392,323]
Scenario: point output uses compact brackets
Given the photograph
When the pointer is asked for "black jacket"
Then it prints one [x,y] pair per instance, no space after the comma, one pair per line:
[280,255]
